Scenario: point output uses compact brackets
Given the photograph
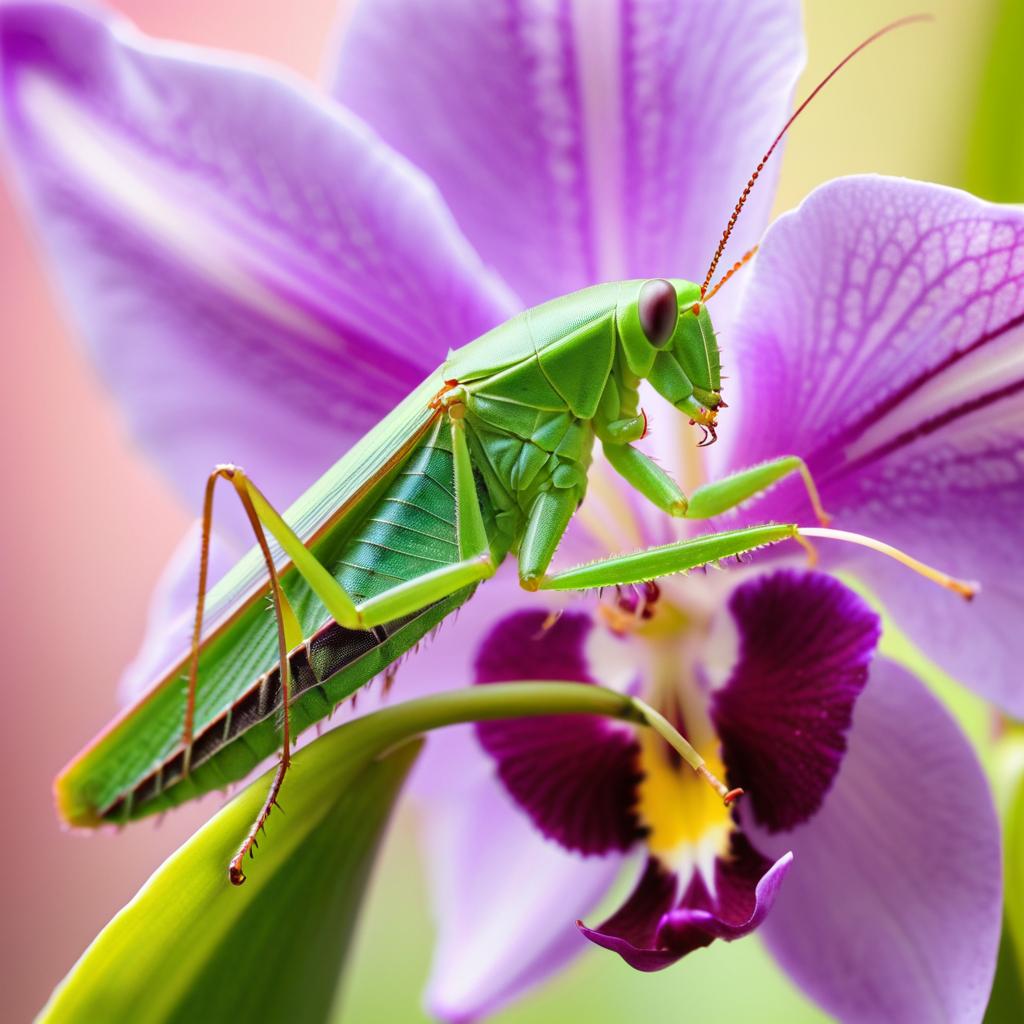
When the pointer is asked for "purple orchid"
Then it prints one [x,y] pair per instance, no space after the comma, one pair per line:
[261,272]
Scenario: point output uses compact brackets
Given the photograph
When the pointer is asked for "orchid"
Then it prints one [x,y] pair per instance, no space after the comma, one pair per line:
[261,272]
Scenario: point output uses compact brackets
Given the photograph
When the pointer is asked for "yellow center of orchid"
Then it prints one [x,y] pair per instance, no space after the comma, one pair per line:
[688,825]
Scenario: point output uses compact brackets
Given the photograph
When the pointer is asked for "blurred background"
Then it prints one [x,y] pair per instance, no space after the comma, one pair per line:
[86,526]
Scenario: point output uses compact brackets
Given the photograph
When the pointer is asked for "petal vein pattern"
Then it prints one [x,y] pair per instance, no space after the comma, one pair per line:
[883,341]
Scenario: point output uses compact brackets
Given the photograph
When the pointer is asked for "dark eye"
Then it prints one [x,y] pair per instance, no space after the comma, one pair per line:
[658,309]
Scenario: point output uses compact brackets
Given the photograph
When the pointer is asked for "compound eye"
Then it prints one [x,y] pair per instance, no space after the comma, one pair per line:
[658,309]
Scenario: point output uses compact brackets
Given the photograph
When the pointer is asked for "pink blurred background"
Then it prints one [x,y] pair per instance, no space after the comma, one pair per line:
[86,528]
[86,525]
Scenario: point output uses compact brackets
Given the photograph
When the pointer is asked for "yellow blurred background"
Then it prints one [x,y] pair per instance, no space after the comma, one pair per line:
[87,526]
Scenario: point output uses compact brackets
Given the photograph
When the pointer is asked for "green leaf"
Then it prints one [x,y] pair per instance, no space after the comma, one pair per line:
[192,947]
[995,159]
[1013,839]
[1006,1004]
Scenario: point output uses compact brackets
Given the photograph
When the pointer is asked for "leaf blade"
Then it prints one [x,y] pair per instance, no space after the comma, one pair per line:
[185,947]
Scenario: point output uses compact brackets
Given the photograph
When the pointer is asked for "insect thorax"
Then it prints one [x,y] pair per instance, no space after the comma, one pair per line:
[522,454]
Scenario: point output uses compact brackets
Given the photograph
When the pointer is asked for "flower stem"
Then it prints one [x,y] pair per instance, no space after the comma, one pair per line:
[393,725]
[381,731]
[671,735]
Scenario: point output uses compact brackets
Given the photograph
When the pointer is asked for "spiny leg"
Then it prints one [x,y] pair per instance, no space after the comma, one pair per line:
[288,634]
[714,498]
[680,556]
[475,565]
[475,562]
[666,559]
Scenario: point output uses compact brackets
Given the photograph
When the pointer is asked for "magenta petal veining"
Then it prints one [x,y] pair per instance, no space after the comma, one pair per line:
[882,339]
[806,642]
[575,775]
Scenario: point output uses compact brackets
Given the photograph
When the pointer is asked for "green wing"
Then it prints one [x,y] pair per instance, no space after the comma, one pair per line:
[238,645]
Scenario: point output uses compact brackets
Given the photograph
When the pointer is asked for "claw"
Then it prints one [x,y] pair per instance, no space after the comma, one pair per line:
[705,441]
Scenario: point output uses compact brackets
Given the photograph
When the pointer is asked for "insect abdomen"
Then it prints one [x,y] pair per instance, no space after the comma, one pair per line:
[409,530]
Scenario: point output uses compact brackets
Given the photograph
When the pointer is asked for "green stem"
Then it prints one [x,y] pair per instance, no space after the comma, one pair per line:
[669,733]
[381,730]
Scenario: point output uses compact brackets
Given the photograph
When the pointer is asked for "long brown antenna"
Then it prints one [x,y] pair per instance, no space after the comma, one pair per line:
[892,26]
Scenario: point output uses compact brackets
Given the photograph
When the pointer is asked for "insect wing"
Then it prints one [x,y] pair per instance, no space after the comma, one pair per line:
[234,648]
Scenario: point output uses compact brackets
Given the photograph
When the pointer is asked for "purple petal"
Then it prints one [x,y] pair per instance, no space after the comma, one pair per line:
[575,775]
[746,885]
[258,277]
[632,930]
[624,129]
[505,899]
[894,913]
[806,642]
[883,340]
[172,611]
[650,935]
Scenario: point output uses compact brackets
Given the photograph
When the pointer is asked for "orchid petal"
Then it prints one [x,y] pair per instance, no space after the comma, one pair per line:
[632,930]
[883,340]
[172,611]
[257,276]
[806,642]
[649,935]
[894,910]
[746,886]
[505,899]
[575,775]
[625,129]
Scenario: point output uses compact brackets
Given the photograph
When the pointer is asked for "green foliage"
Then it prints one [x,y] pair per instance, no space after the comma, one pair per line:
[1014,858]
[191,947]
[1004,1005]
[995,157]
[1007,1000]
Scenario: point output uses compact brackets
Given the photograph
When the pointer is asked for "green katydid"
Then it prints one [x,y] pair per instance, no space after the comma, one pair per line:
[488,458]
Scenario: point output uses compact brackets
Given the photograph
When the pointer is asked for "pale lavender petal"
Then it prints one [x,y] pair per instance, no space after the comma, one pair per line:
[505,898]
[258,277]
[624,130]
[893,910]
[576,776]
[172,610]
[883,340]
[806,642]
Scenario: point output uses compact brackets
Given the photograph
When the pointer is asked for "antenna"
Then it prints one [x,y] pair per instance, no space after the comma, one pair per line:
[891,27]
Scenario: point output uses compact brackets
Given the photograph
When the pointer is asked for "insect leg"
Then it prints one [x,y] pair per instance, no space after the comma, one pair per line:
[401,600]
[288,635]
[650,563]
[722,495]
[548,520]
[475,563]
[713,498]
[647,477]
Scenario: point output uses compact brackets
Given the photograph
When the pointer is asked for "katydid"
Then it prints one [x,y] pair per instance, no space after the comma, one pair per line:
[488,458]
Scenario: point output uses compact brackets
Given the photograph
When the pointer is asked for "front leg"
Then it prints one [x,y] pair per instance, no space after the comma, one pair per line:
[714,498]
